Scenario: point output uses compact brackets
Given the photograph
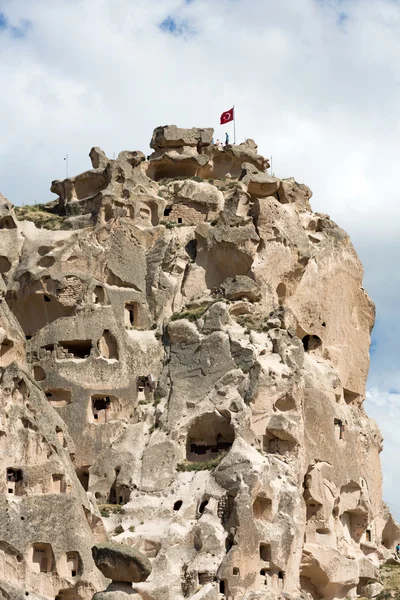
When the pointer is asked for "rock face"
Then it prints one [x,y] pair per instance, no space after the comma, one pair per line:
[183,369]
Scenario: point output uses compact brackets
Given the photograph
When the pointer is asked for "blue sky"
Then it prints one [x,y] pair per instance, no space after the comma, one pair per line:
[314,82]
[19,30]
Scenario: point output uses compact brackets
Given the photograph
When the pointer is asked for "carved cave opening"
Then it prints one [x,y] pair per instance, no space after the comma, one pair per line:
[209,435]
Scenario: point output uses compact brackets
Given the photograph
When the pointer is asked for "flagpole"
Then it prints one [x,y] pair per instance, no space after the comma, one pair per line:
[234,125]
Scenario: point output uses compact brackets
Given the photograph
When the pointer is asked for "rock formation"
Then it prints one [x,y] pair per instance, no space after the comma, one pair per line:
[183,366]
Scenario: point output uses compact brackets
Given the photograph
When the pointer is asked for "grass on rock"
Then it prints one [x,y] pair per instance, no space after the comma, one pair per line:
[208,465]
[44,216]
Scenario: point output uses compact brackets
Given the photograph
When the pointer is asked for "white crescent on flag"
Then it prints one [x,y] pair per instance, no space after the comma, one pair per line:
[226,117]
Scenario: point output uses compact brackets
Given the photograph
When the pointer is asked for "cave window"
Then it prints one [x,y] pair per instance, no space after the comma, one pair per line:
[202,506]
[7,223]
[312,510]
[60,436]
[58,484]
[77,348]
[179,219]
[368,535]
[119,494]
[222,587]
[83,476]
[58,397]
[14,479]
[42,558]
[146,385]
[311,342]
[14,474]
[46,298]
[98,295]
[339,428]
[264,573]
[177,504]
[281,579]
[167,211]
[39,556]
[208,436]
[236,571]
[131,314]
[265,552]
[101,406]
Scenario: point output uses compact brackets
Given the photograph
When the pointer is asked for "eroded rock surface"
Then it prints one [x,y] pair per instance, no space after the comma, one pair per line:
[121,563]
[183,369]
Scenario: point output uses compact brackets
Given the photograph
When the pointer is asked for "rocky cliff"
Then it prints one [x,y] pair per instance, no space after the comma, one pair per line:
[183,363]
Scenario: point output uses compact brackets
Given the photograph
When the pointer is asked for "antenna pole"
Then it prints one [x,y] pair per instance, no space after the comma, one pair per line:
[66,166]
[234,125]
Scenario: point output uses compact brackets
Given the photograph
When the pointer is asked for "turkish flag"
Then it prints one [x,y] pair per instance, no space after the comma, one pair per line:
[226,117]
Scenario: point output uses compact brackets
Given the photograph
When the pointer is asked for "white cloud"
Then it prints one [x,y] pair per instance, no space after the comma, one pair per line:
[384,407]
[315,82]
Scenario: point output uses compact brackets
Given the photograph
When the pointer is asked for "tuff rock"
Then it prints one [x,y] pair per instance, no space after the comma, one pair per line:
[121,563]
[183,366]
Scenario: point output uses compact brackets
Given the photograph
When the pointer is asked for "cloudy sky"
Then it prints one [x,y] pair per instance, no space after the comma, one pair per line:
[314,82]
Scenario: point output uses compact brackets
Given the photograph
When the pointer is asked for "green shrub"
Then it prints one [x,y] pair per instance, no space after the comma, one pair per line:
[105,512]
[191,315]
[208,465]
[119,529]
[132,528]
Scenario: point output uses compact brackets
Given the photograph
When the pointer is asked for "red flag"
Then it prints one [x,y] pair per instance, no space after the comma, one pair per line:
[227,116]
